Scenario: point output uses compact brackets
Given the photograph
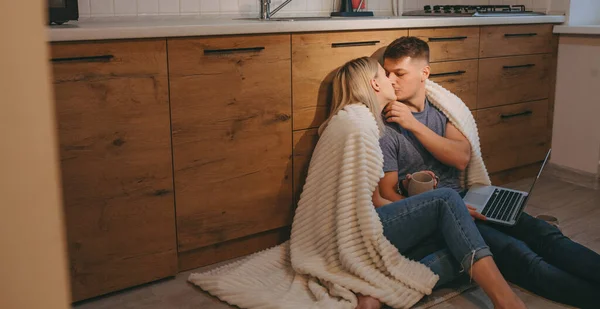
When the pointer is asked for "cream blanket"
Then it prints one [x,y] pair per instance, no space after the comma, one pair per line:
[459,115]
[337,247]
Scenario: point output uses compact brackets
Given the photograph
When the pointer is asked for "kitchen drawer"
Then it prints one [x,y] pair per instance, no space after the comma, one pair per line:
[316,56]
[515,40]
[513,135]
[459,77]
[232,136]
[450,43]
[513,79]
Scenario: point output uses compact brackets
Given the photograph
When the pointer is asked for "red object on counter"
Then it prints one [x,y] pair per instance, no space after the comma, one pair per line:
[355,4]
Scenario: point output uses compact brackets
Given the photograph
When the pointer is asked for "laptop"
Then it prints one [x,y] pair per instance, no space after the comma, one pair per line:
[501,205]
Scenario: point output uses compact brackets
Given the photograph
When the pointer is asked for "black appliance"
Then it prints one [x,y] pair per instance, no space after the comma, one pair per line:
[473,11]
[61,11]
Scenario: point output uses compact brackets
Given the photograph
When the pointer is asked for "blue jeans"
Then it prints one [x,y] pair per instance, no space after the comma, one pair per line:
[531,254]
[440,214]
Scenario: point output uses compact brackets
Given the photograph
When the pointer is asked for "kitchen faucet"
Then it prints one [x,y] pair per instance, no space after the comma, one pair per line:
[265,8]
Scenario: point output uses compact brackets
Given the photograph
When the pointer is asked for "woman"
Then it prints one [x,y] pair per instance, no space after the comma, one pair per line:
[363,82]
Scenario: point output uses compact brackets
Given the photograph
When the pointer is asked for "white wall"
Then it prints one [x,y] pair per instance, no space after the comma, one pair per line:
[584,12]
[99,8]
[576,136]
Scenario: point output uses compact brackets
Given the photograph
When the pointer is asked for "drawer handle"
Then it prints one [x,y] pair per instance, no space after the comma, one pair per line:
[529,65]
[452,38]
[513,35]
[101,58]
[350,44]
[525,113]
[233,50]
[447,74]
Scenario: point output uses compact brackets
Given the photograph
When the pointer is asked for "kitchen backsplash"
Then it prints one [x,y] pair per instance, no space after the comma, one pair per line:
[101,8]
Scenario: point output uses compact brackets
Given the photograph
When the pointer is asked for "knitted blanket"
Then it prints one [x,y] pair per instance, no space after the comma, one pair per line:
[460,115]
[337,247]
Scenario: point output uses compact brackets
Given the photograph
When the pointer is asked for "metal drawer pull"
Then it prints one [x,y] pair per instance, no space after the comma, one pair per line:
[512,35]
[529,65]
[447,74]
[101,58]
[525,113]
[233,50]
[350,44]
[453,38]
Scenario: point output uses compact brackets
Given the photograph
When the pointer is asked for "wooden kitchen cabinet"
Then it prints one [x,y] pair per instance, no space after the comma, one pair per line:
[497,41]
[459,77]
[315,57]
[232,137]
[513,135]
[304,145]
[516,79]
[445,44]
[115,157]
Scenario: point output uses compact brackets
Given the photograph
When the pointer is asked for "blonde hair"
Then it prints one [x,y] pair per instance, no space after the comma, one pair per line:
[352,85]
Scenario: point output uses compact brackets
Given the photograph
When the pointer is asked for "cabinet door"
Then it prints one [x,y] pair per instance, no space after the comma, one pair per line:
[115,149]
[316,56]
[304,145]
[459,77]
[232,136]
[513,135]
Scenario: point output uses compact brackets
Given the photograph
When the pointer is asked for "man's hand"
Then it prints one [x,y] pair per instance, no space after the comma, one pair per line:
[400,113]
[475,214]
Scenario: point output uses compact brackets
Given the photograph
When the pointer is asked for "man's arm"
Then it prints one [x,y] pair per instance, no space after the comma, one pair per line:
[453,150]
[388,185]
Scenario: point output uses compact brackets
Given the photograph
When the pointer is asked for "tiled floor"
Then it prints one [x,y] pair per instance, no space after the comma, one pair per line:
[578,209]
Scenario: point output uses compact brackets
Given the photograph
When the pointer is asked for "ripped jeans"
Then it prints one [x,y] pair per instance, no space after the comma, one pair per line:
[440,214]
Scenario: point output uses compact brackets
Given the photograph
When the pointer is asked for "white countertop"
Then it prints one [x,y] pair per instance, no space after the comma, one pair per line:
[579,29]
[177,26]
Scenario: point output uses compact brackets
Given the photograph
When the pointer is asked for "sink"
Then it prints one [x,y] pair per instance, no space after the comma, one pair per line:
[297,18]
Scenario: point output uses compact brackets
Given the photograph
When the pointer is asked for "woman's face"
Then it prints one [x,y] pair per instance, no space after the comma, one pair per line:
[384,87]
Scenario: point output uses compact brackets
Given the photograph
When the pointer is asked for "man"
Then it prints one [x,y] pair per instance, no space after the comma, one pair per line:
[532,254]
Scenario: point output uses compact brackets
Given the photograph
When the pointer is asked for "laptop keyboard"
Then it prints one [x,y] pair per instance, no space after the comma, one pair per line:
[501,205]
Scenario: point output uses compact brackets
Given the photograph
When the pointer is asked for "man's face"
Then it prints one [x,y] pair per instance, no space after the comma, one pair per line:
[407,74]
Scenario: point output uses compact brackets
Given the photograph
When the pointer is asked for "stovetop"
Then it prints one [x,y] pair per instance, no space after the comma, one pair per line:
[472,10]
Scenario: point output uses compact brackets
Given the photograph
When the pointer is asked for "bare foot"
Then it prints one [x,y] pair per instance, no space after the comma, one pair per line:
[367,302]
[510,302]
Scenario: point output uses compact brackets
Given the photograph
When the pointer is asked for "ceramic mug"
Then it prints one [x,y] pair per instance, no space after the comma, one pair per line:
[420,182]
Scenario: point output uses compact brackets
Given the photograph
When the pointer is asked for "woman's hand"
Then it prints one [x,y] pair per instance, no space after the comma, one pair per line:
[367,302]
[408,177]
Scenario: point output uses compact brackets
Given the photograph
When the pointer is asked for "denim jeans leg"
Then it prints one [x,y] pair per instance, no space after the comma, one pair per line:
[443,264]
[522,266]
[410,221]
[549,242]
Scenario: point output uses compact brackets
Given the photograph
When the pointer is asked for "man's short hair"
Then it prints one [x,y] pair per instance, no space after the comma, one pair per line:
[407,46]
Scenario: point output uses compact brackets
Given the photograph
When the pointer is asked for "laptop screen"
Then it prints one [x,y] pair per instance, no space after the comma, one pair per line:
[539,173]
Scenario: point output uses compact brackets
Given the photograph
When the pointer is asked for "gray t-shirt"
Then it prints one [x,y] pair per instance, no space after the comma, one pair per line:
[404,153]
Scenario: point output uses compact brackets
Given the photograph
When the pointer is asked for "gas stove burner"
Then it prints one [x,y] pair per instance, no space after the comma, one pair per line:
[472,10]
